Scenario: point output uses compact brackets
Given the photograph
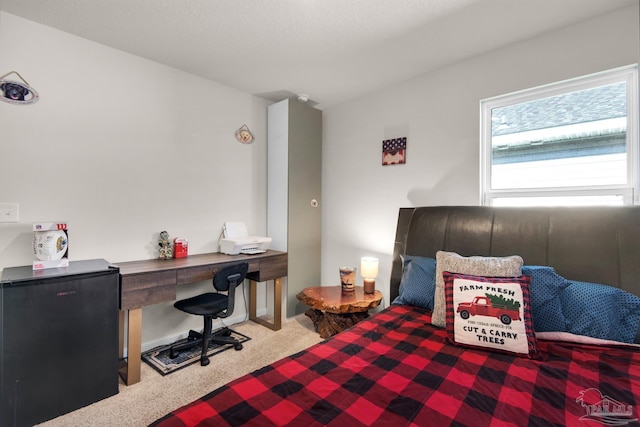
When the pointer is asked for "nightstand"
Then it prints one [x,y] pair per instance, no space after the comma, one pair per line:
[334,310]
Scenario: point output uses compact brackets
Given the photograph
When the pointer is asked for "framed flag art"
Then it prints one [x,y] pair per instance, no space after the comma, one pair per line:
[394,151]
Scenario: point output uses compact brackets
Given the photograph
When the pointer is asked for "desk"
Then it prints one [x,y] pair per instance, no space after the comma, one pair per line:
[154,281]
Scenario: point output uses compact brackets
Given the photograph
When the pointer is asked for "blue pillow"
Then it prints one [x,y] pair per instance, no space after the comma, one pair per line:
[418,283]
[545,289]
[601,311]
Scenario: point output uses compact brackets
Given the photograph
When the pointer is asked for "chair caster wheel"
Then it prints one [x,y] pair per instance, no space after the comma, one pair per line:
[173,355]
[238,347]
[227,333]
[204,362]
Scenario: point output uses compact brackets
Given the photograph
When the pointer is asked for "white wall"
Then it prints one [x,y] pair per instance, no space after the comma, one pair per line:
[439,113]
[122,148]
[111,134]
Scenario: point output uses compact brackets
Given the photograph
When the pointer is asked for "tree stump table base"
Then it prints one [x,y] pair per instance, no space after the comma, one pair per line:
[334,310]
[328,324]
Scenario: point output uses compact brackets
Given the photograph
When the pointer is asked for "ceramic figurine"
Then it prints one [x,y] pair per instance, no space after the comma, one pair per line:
[166,251]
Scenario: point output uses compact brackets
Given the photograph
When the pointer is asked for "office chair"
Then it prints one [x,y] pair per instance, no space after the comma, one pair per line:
[212,305]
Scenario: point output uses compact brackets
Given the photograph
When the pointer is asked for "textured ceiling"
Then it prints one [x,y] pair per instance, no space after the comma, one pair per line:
[332,50]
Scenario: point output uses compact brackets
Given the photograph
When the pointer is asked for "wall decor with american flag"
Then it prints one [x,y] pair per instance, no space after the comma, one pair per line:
[394,151]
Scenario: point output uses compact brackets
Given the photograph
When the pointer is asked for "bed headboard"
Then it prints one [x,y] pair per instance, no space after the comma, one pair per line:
[593,244]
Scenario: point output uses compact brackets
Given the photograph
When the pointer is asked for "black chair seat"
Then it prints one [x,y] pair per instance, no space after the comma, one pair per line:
[211,306]
[201,305]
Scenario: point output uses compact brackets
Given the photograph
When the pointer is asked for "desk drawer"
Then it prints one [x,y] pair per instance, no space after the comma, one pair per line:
[206,272]
[196,274]
[138,290]
[271,268]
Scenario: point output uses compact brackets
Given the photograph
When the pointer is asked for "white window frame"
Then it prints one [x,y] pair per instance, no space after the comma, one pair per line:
[628,191]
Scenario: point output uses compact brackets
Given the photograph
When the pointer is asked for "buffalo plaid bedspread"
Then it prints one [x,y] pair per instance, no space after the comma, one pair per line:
[395,369]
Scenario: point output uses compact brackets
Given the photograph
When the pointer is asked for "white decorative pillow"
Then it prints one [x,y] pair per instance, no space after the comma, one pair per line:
[491,313]
[510,266]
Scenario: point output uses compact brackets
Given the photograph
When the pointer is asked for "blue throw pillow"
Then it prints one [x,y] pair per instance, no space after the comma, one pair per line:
[545,289]
[418,283]
[601,311]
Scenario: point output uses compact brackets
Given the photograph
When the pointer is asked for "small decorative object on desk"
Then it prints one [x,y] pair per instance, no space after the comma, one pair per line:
[348,278]
[166,251]
[50,245]
[180,247]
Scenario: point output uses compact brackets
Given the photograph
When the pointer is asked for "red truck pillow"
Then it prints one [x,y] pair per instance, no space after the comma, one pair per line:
[492,313]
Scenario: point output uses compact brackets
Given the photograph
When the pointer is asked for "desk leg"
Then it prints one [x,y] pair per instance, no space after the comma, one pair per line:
[121,321]
[253,297]
[277,305]
[130,370]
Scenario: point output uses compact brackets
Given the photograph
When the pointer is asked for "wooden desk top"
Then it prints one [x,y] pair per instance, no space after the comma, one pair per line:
[333,300]
[155,265]
[152,281]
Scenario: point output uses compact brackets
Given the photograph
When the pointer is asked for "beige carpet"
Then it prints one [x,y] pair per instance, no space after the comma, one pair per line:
[155,395]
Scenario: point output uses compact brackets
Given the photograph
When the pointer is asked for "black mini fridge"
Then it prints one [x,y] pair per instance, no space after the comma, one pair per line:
[59,342]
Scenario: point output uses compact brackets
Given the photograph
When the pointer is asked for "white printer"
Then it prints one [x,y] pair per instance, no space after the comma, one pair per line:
[236,240]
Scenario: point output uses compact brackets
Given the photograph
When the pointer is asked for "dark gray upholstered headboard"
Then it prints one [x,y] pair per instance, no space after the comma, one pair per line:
[593,244]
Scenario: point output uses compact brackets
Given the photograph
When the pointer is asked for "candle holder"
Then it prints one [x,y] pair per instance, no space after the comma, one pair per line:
[348,278]
[369,272]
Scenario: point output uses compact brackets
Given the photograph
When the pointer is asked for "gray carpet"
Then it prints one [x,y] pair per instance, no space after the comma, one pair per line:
[156,395]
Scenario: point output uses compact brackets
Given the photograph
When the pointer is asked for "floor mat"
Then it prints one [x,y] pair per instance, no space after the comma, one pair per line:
[158,358]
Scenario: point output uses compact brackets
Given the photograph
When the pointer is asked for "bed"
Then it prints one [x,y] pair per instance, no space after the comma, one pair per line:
[579,268]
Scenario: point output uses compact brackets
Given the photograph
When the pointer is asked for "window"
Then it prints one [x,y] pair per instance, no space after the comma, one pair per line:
[569,143]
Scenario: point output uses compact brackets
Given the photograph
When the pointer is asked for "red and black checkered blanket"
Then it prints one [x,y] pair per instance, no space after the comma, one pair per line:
[395,369]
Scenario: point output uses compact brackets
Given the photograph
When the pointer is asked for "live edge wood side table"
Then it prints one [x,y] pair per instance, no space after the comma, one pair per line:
[334,310]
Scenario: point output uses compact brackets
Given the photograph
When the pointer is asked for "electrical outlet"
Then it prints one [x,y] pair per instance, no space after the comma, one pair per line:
[8,212]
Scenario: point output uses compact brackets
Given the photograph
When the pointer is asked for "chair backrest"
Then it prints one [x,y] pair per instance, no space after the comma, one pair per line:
[227,279]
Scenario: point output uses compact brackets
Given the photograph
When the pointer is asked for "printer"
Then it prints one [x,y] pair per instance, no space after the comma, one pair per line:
[236,240]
